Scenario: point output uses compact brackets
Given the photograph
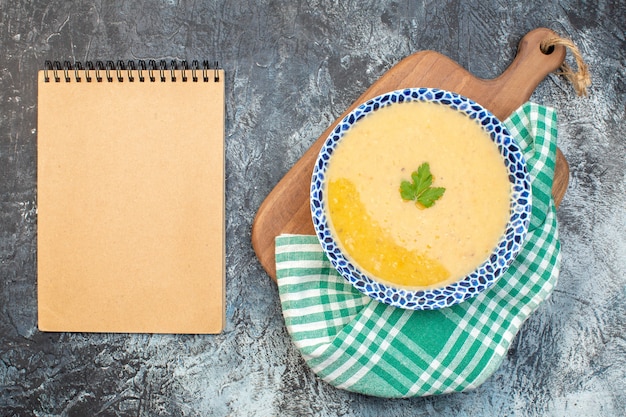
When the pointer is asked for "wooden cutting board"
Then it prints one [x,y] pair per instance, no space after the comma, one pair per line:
[286,208]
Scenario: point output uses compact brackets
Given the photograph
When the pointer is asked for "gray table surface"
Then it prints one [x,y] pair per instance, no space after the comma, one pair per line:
[291,68]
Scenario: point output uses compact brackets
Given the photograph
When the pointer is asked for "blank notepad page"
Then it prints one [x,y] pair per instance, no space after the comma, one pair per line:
[131,201]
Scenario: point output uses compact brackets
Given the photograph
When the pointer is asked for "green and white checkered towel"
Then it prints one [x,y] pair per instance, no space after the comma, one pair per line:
[358,344]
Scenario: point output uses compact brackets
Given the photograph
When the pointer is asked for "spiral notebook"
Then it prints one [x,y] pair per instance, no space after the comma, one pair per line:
[131,197]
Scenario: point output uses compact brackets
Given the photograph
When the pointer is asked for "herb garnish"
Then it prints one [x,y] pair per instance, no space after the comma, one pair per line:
[420,190]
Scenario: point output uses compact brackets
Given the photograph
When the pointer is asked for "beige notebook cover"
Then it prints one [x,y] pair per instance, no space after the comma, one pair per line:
[131,200]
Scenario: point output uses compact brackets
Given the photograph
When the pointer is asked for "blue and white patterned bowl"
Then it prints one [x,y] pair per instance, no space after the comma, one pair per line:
[482,277]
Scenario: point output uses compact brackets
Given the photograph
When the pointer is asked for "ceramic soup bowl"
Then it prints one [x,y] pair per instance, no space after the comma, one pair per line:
[436,246]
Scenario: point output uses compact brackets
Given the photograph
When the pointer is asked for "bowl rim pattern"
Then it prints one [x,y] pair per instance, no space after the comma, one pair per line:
[486,274]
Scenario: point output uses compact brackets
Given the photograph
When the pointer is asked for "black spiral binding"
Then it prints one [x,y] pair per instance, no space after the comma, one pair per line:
[131,71]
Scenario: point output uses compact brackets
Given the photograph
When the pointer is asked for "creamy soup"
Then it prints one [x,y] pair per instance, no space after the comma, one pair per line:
[399,241]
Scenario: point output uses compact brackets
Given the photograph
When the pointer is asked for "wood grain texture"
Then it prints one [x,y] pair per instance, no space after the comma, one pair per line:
[286,208]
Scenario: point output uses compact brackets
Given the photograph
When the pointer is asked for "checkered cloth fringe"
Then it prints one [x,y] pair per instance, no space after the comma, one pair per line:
[361,345]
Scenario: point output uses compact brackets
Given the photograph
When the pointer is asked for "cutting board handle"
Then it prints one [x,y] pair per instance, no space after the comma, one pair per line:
[530,66]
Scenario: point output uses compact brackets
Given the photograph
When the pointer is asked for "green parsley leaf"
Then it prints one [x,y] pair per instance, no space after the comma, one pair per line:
[420,190]
[429,196]
[406,191]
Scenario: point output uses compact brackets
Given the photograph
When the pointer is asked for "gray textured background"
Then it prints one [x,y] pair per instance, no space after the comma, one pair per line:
[292,67]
